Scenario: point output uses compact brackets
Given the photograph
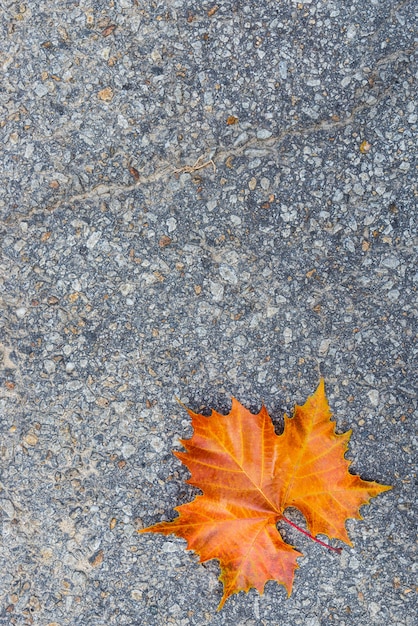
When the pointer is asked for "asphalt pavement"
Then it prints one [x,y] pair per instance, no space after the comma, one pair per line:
[201,200]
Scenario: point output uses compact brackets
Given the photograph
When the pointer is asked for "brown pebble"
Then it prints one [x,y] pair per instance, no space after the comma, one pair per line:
[109,30]
[213,10]
[105,94]
[134,172]
[164,241]
[31,439]
[97,558]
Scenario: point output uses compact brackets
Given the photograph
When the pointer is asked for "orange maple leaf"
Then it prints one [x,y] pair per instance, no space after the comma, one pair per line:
[249,476]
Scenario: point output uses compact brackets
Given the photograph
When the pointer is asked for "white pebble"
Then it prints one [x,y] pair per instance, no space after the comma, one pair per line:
[157,443]
[49,366]
[128,450]
[217,291]
[171,224]
[324,346]
[40,90]
[93,239]
[228,274]
[264,133]
[288,335]
[373,396]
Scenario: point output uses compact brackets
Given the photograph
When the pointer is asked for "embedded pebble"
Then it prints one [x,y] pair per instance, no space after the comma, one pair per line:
[373,396]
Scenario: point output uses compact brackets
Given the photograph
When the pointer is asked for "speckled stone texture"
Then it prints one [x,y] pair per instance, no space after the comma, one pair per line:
[200,200]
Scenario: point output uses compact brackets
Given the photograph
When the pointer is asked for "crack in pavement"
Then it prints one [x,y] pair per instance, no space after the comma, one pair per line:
[218,154]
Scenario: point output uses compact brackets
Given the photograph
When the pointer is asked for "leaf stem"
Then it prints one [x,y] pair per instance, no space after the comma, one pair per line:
[305,532]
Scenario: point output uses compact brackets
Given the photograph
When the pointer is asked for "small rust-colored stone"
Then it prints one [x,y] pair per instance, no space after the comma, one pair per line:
[52,300]
[112,523]
[105,94]
[164,241]
[46,236]
[134,172]
[97,558]
[121,464]
[108,30]
[213,10]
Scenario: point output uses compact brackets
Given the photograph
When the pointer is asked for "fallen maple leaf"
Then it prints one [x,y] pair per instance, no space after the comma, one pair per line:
[249,476]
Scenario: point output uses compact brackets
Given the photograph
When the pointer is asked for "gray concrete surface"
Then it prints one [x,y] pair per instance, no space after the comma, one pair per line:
[130,277]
